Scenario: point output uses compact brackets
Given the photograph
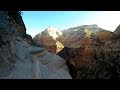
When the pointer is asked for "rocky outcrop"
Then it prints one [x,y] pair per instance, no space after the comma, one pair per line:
[48,39]
[84,37]
[28,38]
[17,26]
[82,45]
[84,34]
[117,33]
[36,63]
[106,63]
[20,60]
[15,18]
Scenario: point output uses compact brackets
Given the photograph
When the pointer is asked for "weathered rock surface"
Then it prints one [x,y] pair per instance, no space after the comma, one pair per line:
[117,33]
[20,60]
[48,39]
[35,49]
[30,66]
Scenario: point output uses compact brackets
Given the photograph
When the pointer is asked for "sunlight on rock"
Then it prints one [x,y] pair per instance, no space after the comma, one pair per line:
[59,46]
[88,32]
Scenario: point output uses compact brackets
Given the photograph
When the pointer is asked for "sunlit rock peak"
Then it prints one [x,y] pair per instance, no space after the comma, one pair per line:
[53,32]
[88,32]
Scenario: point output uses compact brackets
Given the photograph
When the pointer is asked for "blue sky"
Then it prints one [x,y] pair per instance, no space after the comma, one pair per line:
[37,21]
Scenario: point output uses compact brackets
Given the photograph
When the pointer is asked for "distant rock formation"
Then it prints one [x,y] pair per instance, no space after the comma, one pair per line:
[86,48]
[77,35]
[19,59]
[48,39]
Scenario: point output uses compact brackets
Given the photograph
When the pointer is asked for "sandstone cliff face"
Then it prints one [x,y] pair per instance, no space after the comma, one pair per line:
[84,37]
[117,33]
[48,39]
[15,18]
[35,63]
[106,63]
[17,26]
[19,59]
[83,34]
[82,45]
